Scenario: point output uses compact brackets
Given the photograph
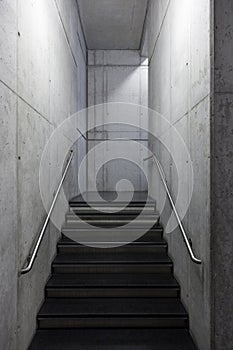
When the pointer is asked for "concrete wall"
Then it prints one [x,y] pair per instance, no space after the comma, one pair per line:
[221,176]
[177,41]
[117,76]
[42,82]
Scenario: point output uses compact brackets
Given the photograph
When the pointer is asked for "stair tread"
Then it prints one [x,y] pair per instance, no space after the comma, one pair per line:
[111,223]
[137,205]
[95,225]
[108,216]
[111,210]
[120,218]
[103,307]
[116,257]
[110,280]
[108,196]
[157,240]
[134,236]
[110,230]
[114,339]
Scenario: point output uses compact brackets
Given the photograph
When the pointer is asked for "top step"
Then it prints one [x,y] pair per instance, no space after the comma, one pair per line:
[110,199]
[112,209]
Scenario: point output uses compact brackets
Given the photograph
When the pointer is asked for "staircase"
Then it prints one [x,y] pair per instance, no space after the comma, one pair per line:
[122,298]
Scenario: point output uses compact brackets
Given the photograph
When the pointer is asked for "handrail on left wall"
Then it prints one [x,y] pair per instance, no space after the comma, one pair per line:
[32,256]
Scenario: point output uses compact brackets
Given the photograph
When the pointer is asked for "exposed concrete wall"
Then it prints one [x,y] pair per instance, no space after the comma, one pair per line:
[178,45]
[117,76]
[221,178]
[42,82]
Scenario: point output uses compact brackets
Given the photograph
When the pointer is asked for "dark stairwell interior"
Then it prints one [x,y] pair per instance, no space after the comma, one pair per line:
[106,285]
[109,289]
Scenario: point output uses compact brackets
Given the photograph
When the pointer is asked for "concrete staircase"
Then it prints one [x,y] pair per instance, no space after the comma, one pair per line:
[112,298]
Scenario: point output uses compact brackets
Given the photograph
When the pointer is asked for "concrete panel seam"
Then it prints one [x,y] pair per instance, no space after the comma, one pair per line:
[81,23]
[27,103]
[66,35]
[185,115]
[144,26]
[160,29]
[192,108]
[82,49]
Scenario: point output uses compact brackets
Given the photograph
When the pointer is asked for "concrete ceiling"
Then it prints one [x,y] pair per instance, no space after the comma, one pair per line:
[113,24]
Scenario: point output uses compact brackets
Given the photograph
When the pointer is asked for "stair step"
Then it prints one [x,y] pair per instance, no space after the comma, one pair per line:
[152,240]
[70,217]
[108,285]
[112,263]
[120,204]
[112,312]
[104,221]
[65,246]
[116,257]
[113,198]
[116,216]
[114,268]
[117,262]
[96,210]
[108,235]
[114,339]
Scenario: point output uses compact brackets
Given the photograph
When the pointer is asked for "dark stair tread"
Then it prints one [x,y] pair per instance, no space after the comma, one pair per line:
[111,280]
[114,258]
[96,223]
[112,210]
[124,229]
[109,196]
[114,339]
[74,219]
[104,307]
[98,235]
[94,203]
[110,216]
[156,241]
[109,232]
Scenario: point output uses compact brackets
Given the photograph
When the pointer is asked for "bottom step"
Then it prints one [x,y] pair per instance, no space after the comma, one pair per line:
[112,313]
[117,339]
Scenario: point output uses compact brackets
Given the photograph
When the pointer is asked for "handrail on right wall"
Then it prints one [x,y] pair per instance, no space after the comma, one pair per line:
[185,237]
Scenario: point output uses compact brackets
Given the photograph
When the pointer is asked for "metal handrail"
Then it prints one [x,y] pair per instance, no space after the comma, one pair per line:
[32,256]
[109,139]
[185,237]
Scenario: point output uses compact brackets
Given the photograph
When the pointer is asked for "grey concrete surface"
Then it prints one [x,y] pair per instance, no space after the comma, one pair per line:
[42,82]
[178,44]
[113,24]
[221,177]
[8,176]
[8,214]
[117,76]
